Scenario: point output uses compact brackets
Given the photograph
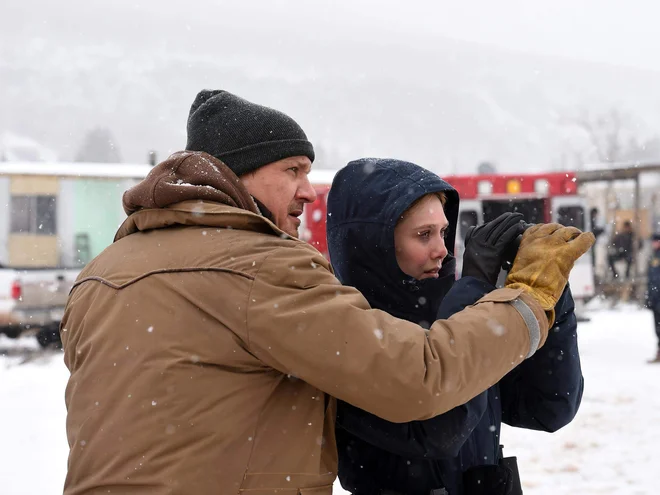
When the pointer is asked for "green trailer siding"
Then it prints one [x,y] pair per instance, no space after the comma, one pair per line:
[97,213]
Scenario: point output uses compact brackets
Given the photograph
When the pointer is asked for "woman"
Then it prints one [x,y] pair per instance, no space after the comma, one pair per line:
[391,231]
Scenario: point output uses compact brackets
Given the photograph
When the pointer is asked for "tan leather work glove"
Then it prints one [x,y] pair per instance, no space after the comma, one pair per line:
[544,261]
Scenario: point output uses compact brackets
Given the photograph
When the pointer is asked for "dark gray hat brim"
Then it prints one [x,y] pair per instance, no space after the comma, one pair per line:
[250,158]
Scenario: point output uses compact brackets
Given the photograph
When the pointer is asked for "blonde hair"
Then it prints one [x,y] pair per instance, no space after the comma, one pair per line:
[440,195]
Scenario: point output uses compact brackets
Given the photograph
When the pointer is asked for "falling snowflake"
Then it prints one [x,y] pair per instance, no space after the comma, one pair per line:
[496,327]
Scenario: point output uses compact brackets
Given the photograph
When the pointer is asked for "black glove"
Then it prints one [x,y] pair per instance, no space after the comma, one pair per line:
[488,246]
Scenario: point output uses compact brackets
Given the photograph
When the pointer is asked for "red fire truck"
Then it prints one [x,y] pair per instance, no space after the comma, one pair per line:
[546,197]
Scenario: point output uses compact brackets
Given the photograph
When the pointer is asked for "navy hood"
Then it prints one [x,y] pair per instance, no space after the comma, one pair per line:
[366,199]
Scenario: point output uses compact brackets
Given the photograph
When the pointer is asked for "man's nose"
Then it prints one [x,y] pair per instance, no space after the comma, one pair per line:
[306,191]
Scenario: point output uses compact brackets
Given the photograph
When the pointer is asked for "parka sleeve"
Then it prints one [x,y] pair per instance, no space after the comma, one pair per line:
[544,392]
[301,321]
[440,437]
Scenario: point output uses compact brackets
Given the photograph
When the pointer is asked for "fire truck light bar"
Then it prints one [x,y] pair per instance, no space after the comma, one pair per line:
[541,186]
[513,186]
[484,187]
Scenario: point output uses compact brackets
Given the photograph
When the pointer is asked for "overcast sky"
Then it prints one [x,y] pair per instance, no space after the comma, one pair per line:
[620,32]
[89,57]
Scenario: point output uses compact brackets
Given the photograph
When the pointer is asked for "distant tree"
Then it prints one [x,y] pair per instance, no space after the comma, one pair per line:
[613,137]
[99,146]
[645,150]
[605,132]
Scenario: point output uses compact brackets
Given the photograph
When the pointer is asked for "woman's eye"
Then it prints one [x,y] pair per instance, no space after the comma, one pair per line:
[424,234]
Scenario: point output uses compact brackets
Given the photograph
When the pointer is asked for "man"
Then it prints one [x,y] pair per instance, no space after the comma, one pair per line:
[622,249]
[597,229]
[653,288]
[207,343]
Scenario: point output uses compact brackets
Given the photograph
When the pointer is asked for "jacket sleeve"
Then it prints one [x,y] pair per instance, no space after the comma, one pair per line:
[545,391]
[301,321]
[440,437]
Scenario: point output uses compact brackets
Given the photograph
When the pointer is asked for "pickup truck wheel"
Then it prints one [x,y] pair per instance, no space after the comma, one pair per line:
[49,337]
[12,333]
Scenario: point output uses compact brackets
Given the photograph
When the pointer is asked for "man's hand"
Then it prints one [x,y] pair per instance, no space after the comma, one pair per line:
[544,261]
[487,245]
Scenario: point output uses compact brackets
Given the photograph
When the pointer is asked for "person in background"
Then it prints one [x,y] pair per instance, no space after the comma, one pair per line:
[621,248]
[653,288]
[597,230]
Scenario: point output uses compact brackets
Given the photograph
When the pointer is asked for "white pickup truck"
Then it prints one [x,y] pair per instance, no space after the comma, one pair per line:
[33,299]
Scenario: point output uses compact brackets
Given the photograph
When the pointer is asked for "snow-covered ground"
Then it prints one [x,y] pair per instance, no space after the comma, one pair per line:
[612,446]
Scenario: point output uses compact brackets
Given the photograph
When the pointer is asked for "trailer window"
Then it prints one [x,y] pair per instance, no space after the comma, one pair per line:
[571,216]
[467,219]
[33,215]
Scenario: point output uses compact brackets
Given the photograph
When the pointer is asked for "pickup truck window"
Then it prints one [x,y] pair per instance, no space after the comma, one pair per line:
[33,215]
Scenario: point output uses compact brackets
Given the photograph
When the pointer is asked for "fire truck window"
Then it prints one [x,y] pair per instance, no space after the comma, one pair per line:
[533,210]
[572,216]
[466,220]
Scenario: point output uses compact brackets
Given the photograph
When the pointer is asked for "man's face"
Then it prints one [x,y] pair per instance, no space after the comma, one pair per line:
[655,245]
[284,188]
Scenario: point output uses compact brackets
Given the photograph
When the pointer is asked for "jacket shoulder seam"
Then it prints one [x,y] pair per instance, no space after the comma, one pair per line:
[158,272]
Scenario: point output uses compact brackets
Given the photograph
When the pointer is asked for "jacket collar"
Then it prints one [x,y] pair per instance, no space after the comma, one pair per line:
[200,214]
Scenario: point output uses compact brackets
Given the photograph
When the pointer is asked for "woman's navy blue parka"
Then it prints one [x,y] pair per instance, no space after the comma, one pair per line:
[366,200]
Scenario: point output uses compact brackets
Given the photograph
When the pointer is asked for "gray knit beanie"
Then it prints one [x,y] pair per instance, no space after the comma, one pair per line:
[242,134]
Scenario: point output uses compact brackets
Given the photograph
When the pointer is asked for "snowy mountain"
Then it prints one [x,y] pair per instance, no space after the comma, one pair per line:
[356,88]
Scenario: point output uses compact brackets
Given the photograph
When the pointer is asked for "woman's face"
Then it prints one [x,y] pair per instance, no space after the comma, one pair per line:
[419,238]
